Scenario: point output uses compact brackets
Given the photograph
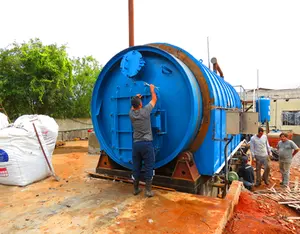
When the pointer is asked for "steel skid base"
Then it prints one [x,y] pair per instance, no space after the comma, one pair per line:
[180,175]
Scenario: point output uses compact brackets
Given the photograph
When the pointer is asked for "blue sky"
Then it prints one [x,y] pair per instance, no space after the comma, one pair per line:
[244,35]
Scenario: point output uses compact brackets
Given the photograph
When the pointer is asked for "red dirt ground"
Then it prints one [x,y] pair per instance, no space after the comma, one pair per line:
[80,204]
[97,200]
[258,214]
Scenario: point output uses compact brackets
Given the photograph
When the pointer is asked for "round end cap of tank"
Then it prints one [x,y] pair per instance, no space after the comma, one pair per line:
[132,63]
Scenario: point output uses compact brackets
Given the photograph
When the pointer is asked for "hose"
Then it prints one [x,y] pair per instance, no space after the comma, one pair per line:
[226,162]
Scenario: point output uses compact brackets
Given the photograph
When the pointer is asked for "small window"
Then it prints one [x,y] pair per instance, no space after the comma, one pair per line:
[290,117]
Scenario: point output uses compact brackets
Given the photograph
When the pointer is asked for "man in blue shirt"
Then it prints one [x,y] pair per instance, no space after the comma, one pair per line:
[142,149]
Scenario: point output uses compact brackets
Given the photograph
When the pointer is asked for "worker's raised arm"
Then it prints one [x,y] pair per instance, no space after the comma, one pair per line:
[153,94]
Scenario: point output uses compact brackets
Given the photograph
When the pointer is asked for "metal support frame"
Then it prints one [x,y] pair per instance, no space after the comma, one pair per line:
[229,156]
[186,168]
[249,108]
[225,108]
[184,178]
[242,93]
[106,162]
[267,127]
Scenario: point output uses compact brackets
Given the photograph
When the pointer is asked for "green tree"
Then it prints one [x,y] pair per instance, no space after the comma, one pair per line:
[36,78]
[41,79]
[85,73]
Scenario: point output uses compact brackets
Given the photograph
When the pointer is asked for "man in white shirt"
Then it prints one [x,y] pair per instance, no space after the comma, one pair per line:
[261,150]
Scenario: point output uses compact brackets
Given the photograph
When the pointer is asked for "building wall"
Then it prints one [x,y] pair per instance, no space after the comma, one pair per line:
[74,124]
[69,129]
[276,113]
[281,95]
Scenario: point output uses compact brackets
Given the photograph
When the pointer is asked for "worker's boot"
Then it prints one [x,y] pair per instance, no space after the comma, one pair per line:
[148,191]
[136,189]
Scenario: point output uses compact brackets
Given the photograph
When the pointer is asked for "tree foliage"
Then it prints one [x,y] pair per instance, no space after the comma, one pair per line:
[85,73]
[42,79]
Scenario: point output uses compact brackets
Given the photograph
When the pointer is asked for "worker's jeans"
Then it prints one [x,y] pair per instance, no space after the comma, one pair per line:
[262,160]
[246,183]
[143,151]
[285,172]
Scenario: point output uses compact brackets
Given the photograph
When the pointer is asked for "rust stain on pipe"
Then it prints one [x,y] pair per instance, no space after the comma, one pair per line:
[131,22]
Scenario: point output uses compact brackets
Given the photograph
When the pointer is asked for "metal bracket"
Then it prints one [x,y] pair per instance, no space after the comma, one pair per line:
[225,108]
[185,168]
[106,162]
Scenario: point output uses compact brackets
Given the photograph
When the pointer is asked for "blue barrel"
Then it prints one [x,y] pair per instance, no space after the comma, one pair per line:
[263,109]
[189,115]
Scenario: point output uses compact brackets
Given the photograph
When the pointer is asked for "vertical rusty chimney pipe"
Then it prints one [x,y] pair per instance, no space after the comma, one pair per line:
[131,22]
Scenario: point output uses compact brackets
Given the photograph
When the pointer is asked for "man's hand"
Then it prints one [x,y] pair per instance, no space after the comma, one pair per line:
[152,87]
[252,160]
[269,156]
[295,152]
[153,95]
[139,95]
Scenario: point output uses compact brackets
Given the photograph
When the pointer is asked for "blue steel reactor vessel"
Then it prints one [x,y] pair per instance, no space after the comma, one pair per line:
[188,122]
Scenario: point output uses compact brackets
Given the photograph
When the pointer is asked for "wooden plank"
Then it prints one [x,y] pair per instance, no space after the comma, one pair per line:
[275,197]
[273,185]
[270,197]
[261,191]
[293,218]
[126,180]
[289,202]
[296,184]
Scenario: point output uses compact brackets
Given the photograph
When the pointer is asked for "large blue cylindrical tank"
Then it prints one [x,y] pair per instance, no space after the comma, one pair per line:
[189,115]
[263,109]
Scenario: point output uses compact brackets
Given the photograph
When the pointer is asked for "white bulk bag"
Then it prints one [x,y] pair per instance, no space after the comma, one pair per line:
[48,126]
[3,121]
[21,158]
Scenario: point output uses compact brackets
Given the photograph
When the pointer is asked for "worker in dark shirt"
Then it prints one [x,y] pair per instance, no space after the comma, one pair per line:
[246,173]
[142,147]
